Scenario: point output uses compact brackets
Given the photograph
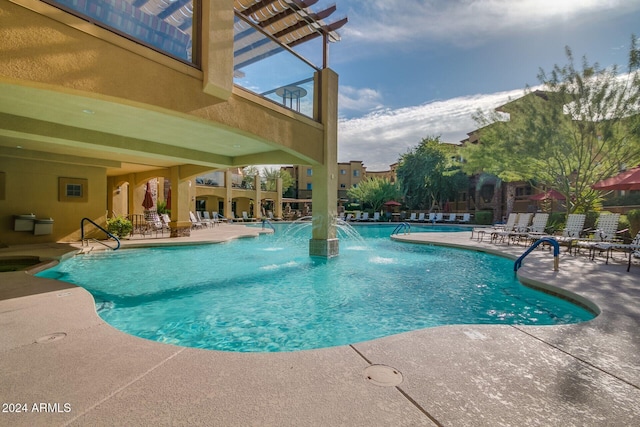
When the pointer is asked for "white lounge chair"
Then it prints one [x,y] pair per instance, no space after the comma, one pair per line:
[195,223]
[439,217]
[365,217]
[412,217]
[466,217]
[451,218]
[420,217]
[376,216]
[500,230]
[205,221]
[606,231]
[633,249]
[245,217]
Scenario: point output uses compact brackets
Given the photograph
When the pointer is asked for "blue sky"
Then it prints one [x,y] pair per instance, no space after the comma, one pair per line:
[410,69]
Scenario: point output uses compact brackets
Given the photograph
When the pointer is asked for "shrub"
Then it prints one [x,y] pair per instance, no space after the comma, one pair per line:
[557,221]
[484,217]
[634,221]
[119,226]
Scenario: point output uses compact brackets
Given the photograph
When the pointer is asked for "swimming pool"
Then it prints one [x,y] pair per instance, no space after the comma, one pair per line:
[268,295]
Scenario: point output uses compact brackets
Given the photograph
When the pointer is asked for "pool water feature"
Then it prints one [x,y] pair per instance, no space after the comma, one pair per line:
[268,295]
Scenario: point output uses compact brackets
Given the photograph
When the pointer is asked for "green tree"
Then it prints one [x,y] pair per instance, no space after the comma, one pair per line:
[582,126]
[430,174]
[249,174]
[374,192]
[271,175]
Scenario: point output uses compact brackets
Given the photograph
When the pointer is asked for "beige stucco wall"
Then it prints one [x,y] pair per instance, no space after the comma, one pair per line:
[32,187]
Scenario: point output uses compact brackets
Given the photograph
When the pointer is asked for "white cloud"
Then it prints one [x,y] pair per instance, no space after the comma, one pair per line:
[465,22]
[354,99]
[381,137]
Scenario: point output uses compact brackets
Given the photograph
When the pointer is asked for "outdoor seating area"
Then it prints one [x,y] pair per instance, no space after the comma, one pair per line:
[604,239]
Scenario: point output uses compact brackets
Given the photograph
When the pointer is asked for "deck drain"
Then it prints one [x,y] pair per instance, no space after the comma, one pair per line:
[382,375]
[51,337]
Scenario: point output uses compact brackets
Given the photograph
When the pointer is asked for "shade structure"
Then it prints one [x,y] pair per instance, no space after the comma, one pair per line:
[147,203]
[627,180]
[548,195]
[392,203]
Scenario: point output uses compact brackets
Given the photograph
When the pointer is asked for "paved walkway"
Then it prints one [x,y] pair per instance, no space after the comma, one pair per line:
[62,365]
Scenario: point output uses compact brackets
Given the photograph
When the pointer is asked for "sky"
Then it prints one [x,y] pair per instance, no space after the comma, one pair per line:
[410,69]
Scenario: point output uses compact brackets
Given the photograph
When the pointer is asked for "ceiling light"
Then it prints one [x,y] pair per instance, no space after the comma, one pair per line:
[87,111]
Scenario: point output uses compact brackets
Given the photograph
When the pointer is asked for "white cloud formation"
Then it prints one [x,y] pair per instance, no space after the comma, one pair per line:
[381,137]
[465,22]
[354,99]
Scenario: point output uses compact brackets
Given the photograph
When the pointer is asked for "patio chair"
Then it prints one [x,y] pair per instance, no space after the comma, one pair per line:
[205,221]
[633,249]
[365,217]
[376,217]
[358,216]
[452,218]
[519,229]
[413,217]
[538,225]
[466,217]
[209,220]
[245,217]
[432,217]
[507,228]
[420,217]
[439,217]
[572,230]
[195,223]
[216,218]
[606,231]
[154,223]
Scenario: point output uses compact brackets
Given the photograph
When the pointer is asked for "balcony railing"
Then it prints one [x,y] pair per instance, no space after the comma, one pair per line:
[270,69]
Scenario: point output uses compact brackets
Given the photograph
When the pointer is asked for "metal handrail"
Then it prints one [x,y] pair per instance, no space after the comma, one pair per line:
[556,252]
[99,227]
[403,226]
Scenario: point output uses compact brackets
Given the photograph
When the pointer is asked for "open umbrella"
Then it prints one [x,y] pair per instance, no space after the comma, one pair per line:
[392,203]
[147,203]
[549,194]
[627,180]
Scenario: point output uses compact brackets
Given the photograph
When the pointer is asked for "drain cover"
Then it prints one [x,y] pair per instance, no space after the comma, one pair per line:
[51,338]
[382,375]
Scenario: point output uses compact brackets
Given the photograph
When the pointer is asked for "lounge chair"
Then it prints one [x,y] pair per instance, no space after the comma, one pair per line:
[205,221]
[349,217]
[432,217]
[195,223]
[420,217]
[538,225]
[358,216]
[365,217]
[606,231]
[507,227]
[271,217]
[633,249]
[452,218]
[466,217]
[376,216]
[572,231]
[413,218]
[439,217]
[245,217]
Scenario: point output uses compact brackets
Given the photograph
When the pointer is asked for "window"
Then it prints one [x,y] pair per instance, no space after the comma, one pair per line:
[343,171]
[309,186]
[163,26]
[309,172]
[356,173]
[343,186]
[73,190]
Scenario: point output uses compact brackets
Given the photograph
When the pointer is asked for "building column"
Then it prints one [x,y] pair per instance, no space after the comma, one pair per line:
[278,202]
[228,186]
[257,201]
[180,204]
[324,242]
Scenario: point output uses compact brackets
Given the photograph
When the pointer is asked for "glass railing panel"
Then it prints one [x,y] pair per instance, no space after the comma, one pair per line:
[267,68]
[163,25]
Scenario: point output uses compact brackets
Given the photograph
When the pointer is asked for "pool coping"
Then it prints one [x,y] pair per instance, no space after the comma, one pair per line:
[581,374]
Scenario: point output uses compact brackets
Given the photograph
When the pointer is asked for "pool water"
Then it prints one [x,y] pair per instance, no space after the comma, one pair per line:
[268,295]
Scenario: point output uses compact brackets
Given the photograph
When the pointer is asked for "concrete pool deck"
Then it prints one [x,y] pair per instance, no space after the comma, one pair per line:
[56,351]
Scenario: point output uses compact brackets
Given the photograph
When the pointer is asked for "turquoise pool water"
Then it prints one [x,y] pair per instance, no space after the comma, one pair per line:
[268,295]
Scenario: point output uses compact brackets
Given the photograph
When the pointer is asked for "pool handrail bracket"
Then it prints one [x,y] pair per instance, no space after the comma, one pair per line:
[556,253]
[86,240]
[266,222]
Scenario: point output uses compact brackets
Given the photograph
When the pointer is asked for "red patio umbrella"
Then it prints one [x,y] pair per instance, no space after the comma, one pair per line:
[392,203]
[627,180]
[147,203]
[549,194]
